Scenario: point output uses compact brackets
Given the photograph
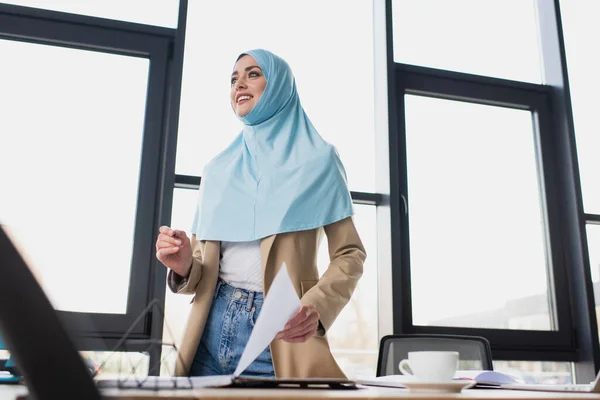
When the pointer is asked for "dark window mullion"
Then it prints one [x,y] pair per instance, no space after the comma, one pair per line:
[592,219]
[53,16]
[79,36]
[468,88]
[569,194]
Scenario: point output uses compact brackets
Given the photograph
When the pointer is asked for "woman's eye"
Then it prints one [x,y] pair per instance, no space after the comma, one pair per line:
[253,74]
[233,81]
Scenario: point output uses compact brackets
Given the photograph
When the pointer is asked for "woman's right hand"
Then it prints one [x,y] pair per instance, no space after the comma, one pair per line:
[174,250]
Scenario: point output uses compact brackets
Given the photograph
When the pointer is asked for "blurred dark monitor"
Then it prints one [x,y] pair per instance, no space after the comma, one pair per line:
[32,332]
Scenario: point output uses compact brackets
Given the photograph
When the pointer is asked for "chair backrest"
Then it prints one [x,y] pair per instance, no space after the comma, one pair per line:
[475,351]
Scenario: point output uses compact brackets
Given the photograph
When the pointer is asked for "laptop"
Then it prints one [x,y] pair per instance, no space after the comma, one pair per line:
[196,382]
[593,387]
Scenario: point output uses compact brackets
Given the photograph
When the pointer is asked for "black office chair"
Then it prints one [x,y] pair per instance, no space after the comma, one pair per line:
[475,351]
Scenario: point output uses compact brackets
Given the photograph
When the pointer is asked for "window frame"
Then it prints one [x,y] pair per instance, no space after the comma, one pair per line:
[569,282]
[556,76]
[101,331]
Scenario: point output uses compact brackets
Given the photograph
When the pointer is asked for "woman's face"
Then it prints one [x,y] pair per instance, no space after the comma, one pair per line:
[247,85]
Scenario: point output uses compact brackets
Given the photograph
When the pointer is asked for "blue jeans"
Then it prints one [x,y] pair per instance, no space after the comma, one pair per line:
[227,330]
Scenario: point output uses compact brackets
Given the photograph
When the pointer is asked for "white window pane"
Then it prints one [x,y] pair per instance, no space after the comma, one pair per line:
[494,38]
[475,216]
[354,336]
[160,13]
[593,241]
[334,75]
[581,32]
[70,144]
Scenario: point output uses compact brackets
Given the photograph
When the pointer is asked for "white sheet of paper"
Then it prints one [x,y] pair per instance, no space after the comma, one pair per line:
[279,306]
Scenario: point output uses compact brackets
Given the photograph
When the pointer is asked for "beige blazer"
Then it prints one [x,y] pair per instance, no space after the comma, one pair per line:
[298,250]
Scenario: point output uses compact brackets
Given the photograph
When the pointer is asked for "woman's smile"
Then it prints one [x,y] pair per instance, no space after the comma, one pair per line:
[247,85]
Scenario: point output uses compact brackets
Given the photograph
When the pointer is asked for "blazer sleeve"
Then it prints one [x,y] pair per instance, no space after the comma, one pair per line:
[188,284]
[347,256]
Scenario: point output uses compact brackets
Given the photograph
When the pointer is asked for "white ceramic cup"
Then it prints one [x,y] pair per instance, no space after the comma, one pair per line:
[430,366]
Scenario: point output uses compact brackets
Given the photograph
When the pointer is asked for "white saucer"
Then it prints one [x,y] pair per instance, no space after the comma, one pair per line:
[453,386]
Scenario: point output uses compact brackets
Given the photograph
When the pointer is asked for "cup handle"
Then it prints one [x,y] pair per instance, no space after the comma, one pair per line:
[404,367]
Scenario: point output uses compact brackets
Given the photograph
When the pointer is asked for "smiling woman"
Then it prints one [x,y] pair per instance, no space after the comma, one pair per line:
[267,199]
[319,57]
[247,85]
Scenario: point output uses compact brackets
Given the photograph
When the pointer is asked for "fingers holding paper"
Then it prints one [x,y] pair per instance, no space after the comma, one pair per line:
[301,326]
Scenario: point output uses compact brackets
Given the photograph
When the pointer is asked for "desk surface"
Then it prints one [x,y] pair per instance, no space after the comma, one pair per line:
[13,392]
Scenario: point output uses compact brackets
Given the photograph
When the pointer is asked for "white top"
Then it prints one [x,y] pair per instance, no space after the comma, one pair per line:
[241,265]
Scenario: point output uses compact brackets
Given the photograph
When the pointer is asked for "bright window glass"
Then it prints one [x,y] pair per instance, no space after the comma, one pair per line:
[161,13]
[70,144]
[493,38]
[354,335]
[593,240]
[581,30]
[475,217]
[334,75]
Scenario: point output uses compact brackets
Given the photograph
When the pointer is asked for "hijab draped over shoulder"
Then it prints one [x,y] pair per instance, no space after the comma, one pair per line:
[278,175]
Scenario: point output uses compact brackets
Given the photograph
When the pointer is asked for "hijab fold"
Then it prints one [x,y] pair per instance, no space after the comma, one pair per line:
[278,175]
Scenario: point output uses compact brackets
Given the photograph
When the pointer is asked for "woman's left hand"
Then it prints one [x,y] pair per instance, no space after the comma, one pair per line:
[302,326]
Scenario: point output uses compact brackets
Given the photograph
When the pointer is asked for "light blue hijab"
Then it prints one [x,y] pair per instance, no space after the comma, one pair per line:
[278,175]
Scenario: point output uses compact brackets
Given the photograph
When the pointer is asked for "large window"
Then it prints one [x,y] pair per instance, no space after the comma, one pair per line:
[492,212]
[488,238]
[68,179]
[458,172]
[83,105]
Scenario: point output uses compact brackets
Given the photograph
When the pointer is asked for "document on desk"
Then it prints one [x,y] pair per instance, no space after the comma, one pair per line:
[280,305]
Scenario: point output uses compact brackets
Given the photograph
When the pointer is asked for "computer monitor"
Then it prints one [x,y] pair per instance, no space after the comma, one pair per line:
[32,331]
